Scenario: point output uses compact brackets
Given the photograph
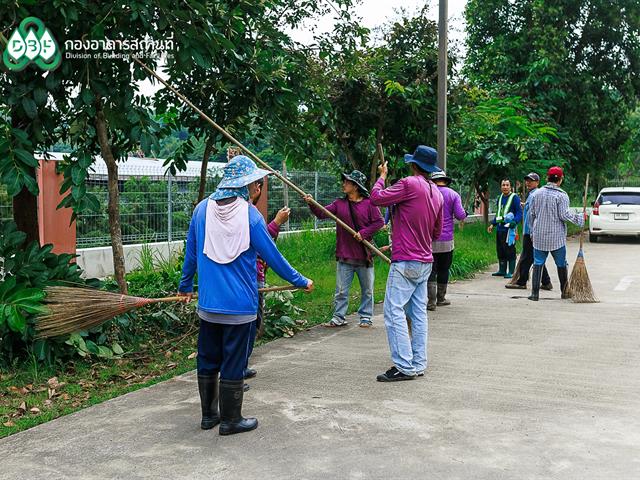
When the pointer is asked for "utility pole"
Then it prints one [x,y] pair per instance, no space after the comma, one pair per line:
[443,47]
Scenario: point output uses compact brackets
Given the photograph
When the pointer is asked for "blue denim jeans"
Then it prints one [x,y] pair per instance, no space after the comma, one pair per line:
[344,278]
[407,295]
[559,256]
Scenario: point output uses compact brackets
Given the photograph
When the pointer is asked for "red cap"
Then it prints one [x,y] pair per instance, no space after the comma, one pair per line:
[556,171]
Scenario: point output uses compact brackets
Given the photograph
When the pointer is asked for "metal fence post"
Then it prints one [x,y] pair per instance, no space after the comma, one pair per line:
[315,195]
[169,209]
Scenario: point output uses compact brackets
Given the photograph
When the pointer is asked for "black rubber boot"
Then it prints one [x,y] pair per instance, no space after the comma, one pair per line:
[432,295]
[208,388]
[536,278]
[231,419]
[502,269]
[442,292]
[563,274]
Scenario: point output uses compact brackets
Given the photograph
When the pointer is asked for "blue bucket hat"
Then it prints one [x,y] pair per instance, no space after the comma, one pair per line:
[425,157]
[240,172]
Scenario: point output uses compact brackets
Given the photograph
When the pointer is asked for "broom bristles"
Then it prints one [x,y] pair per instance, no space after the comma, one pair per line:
[516,274]
[579,288]
[74,309]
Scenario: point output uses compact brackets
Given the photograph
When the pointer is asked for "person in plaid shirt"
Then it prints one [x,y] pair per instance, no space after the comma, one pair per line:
[548,212]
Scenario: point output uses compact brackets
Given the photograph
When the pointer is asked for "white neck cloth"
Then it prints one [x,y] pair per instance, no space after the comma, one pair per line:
[226,234]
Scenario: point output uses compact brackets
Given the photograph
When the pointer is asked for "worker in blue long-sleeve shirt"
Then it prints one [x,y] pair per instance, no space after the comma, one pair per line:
[508,202]
[225,236]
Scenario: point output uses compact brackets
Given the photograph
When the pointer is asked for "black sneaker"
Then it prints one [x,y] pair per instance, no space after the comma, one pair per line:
[394,375]
[249,373]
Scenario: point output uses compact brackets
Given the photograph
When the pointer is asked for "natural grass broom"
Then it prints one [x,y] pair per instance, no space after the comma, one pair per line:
[579,287]
[72,309]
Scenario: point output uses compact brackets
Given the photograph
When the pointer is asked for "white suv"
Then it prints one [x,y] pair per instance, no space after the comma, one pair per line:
[616,211]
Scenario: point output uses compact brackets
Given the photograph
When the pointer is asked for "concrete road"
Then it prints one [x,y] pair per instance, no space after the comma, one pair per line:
[514,390]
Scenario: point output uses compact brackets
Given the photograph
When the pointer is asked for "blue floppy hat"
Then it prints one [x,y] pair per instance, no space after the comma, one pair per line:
[425,157]
[240,172]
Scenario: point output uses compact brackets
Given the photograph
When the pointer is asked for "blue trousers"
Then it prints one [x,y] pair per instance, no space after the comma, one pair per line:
[223,348]
[559,256]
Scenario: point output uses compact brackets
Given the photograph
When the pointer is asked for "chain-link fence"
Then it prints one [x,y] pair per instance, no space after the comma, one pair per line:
[157,208]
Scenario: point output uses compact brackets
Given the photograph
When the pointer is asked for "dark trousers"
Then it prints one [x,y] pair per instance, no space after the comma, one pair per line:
[255,327]
[223,348]
[505,252]
[441,265]
[526,260]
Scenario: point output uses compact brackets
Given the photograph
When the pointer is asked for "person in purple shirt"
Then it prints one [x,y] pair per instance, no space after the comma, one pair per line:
[417,220]
[274,230]
[443,246]
[353,258]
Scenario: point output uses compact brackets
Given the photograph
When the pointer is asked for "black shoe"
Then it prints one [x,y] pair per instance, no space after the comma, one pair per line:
[547,286]
[249,373]
[231,419]
[208,389]
[246,387]
[515,286]
[394,375]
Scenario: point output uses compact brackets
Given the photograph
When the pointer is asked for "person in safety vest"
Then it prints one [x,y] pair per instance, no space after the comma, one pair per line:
[508,202]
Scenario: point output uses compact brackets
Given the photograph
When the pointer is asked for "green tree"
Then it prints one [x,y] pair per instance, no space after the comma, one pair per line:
[578,60]
[493,138]
[382,91]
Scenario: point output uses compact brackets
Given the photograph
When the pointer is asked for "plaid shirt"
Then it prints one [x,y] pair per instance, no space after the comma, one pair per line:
[547,212]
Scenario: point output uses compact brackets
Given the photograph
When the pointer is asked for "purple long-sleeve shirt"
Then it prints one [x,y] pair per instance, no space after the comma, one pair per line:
[274,229]
[369,220]
[451,208]
[417,216]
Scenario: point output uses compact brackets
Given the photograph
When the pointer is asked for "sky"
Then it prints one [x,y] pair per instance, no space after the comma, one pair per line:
[373,14]
[376,12]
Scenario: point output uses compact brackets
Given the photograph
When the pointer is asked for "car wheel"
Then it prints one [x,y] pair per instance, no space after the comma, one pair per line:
[593,238]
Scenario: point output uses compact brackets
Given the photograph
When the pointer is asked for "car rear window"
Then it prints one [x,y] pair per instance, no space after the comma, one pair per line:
[616,198]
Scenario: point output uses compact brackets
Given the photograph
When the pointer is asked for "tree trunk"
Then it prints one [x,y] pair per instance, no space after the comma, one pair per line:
[484,198]
[208,150]
[25,204]
[114,199]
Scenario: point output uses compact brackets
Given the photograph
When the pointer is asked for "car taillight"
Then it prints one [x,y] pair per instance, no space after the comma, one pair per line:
[596,209]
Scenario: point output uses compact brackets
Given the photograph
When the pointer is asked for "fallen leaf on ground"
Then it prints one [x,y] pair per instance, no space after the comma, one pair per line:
[54,383]
[168,354]
[35,410]
[193,355]
[47,403]
[9,424]
[172,365]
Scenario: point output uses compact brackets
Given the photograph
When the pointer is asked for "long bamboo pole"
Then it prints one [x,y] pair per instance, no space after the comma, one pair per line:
[258,160]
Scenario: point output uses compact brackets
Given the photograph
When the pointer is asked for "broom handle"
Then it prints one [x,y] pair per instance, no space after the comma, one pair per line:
[584,211]
[262,163]
[180,298]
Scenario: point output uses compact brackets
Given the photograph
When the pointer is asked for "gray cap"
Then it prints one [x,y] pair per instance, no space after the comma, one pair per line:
[532,176]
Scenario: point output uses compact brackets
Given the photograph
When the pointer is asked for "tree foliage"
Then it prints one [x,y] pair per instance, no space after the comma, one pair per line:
[578,60]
